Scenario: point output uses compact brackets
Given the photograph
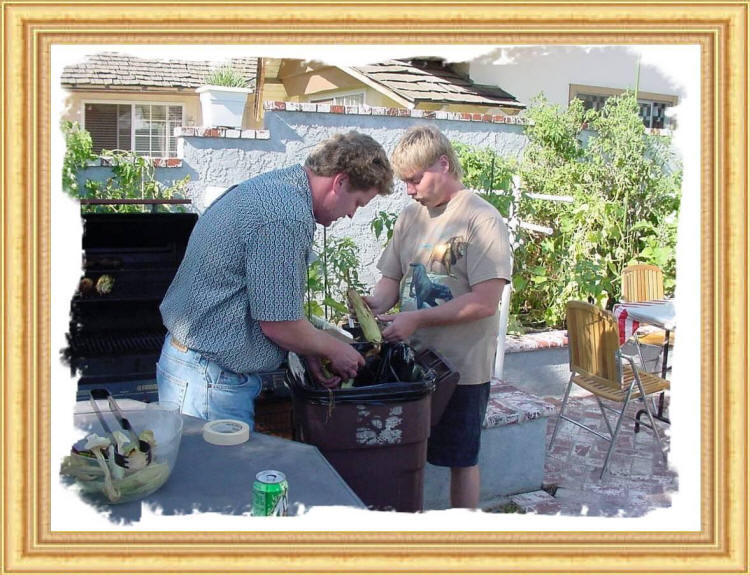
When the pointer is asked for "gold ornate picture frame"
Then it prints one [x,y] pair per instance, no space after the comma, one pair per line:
[30,29]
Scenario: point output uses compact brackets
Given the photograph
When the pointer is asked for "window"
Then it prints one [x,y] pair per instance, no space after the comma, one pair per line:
[651,107]
[146,129]
[653,113]
[348,99]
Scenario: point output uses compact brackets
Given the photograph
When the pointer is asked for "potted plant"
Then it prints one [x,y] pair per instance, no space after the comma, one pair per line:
[223,98]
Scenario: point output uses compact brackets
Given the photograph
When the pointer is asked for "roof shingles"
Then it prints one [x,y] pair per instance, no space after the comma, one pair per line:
[121,70]
[432,81]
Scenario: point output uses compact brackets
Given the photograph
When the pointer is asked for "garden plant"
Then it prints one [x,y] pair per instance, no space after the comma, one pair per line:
[625,183]
[133,176]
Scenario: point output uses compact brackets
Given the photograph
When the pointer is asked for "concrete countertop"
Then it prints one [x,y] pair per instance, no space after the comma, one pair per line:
[220,478]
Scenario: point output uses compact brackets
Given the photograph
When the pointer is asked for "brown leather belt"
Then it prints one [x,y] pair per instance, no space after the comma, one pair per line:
[176,344]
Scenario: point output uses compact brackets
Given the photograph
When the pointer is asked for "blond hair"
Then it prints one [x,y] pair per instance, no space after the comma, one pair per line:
[419,148]
[358,156]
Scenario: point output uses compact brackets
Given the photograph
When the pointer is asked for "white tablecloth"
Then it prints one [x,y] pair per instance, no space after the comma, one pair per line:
[629,316]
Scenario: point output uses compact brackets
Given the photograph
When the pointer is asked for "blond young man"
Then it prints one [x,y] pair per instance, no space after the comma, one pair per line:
[446,264]
[235,305]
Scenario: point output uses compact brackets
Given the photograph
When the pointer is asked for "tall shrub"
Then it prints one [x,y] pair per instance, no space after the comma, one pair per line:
[488,172]
[330,275]
[626,185]
[78,151]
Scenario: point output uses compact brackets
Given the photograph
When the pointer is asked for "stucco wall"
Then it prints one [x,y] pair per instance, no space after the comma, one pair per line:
[214,163]
[294,134]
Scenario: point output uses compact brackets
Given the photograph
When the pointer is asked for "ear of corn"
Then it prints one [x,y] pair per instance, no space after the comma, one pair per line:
[366,319]
[324,369]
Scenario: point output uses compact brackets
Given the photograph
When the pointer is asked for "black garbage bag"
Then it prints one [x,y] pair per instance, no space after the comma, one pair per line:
[395,363]
[368,373]
[400,358]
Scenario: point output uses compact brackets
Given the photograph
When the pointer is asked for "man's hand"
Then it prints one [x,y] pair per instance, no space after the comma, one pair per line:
[384,296]
[345,360]
[316,368]
[303,339]
[401,325]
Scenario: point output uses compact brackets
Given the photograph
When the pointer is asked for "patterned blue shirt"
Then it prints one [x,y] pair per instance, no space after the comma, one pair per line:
[246,262]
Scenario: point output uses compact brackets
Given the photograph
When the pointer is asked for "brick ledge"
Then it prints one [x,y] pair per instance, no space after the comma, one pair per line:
[536,341]
[509,405]
[365,110]
[398,112]
[193,132]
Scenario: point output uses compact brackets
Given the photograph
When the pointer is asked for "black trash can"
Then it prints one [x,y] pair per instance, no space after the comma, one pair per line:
[375,436]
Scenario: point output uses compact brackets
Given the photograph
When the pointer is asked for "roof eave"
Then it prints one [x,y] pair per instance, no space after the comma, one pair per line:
[130,88]
[377,86]
[501,104]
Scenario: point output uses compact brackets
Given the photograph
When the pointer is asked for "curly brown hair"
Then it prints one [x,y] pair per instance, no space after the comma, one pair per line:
[358,156]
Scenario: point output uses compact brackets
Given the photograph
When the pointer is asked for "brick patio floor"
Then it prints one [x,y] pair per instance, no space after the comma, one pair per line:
[637,479]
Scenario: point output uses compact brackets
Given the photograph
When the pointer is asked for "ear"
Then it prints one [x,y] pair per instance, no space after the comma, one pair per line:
[339,181]
[445,164]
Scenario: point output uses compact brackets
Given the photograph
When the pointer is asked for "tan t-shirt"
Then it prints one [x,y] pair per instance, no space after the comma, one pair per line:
[438,255]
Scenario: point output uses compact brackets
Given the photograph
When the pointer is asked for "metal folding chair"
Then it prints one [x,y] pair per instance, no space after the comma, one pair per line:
[596,365]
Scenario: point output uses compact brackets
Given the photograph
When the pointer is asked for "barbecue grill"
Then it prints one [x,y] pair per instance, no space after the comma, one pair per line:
[115,338]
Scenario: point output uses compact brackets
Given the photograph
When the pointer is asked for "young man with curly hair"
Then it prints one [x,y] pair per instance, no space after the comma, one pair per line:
[235,306]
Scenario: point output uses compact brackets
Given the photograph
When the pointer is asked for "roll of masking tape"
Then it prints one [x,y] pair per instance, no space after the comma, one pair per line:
[226,432]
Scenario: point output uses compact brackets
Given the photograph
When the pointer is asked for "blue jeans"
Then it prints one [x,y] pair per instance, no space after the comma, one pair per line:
[202,388]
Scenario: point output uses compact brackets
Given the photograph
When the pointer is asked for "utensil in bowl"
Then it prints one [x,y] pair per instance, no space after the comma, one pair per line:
[143,446]
[163,424]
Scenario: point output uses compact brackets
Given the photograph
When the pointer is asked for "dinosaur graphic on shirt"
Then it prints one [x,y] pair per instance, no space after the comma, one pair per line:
[447,254]
[426,291]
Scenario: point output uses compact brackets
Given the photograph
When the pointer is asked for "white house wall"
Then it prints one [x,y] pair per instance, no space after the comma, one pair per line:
[188,99]
[529,70]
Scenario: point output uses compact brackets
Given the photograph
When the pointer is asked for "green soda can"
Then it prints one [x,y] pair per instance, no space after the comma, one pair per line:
[270,494]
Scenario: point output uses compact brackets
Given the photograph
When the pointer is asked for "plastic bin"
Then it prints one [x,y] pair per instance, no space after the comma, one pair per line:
[375,436]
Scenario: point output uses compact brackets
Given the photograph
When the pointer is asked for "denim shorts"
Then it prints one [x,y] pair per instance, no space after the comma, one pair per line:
[454,441]
[203,388]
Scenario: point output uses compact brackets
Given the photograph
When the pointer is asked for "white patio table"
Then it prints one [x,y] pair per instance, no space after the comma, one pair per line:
[659,313]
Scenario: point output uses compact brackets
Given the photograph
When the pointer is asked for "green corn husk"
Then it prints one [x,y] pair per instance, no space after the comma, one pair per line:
[140,482]
[135,484]
[366,319]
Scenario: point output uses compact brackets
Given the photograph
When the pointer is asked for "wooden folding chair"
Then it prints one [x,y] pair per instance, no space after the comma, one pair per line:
[644,282]
[596,365]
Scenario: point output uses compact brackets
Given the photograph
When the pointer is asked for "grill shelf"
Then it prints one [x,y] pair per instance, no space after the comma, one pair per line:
[128,343]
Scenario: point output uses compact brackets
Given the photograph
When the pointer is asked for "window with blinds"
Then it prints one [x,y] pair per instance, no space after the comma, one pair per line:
[352,99]
[651,107]
[146,129]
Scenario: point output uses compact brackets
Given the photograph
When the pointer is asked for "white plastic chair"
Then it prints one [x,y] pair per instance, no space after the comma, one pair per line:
[497,372]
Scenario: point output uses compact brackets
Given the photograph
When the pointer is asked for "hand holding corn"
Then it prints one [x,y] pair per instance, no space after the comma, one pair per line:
[401,326]
[345,361]
[365,317]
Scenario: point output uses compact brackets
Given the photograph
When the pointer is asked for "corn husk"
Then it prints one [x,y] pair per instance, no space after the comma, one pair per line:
[365,317]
